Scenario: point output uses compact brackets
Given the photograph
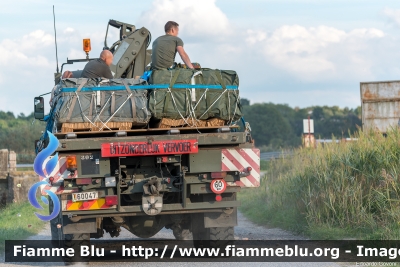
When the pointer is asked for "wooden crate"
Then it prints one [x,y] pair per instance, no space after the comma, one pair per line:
[171,123]
[87,126]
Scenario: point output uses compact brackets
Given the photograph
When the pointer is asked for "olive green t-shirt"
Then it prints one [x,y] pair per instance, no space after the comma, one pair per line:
[164,51]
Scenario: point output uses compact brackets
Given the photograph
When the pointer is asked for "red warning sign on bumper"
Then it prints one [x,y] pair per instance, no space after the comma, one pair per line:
[146,149]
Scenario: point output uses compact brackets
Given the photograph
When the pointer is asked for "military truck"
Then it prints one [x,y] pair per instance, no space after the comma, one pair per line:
[183,178]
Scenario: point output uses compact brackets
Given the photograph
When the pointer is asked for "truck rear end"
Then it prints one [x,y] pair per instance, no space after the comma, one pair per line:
[183,179]
[160,148]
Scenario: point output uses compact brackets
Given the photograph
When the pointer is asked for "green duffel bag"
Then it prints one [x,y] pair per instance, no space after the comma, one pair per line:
[229,77]
[184,76]
[210,103]
[214,95]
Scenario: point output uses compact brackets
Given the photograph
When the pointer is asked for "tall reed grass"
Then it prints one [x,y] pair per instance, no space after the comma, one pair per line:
[349,188]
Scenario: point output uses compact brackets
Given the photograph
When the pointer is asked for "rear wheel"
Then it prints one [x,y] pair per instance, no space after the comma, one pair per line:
[75,241]
[55,226]
[182,233]
[59,239]
[213,236]
[210,237]
[221,233]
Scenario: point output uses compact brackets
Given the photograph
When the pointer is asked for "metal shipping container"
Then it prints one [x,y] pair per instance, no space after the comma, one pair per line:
[380,103]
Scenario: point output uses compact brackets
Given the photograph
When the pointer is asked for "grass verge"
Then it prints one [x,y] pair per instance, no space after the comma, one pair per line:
[345,190]
[18,221]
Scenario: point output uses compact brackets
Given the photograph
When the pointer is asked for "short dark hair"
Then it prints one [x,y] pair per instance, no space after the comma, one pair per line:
[169,25]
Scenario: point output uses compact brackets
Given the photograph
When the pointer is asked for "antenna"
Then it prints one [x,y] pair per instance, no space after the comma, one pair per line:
[55,36]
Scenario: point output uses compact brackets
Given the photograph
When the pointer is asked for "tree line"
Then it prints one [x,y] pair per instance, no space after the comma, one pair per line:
[18,133]
[278,126]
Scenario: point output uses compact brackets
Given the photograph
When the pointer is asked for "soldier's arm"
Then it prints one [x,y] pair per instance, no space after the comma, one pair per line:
[184,56]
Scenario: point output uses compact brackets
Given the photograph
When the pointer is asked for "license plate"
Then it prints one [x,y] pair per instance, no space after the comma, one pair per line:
[84,196]
[168,147]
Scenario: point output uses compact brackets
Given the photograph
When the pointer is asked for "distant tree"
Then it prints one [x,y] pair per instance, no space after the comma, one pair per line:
[268,125]
[278,125]
[244,102]
[18,134]
[6,115]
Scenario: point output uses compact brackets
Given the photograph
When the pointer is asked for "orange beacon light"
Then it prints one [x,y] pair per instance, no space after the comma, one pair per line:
[87,47]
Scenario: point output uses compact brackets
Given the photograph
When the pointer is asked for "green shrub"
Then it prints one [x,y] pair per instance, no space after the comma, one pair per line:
[351,186]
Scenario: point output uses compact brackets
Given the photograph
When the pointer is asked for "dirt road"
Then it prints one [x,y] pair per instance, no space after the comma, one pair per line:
[244,230]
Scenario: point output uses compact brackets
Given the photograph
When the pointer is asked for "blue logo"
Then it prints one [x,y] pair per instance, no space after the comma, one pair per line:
[44,171]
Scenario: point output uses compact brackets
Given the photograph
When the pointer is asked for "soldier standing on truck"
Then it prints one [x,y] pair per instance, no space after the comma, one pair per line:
[166,46]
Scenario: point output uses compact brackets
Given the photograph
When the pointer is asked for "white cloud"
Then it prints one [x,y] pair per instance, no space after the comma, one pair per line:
[29,62]
[254,36]
[393,15]
[69,30]
[317,53]
[27,50]
[196,19]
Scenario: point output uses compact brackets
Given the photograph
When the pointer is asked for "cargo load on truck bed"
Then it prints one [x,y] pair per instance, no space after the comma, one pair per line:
[202,97]
[174,98]
[96,105]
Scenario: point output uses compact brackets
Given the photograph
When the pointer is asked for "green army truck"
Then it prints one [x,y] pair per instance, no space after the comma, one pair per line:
[142,178]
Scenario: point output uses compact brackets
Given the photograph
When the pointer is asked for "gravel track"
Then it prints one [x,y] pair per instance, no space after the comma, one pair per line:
[246,230]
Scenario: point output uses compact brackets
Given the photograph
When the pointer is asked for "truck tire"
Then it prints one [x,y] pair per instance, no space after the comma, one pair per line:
[214,233]
[69,240]
[182,234]
[56,233]
[210,237]
[75,241]
[221,233]
[215,237]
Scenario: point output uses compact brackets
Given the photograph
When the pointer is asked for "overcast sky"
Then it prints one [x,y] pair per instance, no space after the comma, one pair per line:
[296,52]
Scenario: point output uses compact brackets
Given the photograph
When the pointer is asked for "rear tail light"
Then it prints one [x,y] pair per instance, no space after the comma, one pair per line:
[218,175]
[111,200]
[82,181]
[71,163]
[249,169]
[218,198]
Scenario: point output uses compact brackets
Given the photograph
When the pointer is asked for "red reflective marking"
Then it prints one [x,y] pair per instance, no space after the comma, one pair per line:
[240,167]
[256,183]
[240,183]
[246,157]
[252,163]
[62,169]
[69,203]
[224,167]
[60,189]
